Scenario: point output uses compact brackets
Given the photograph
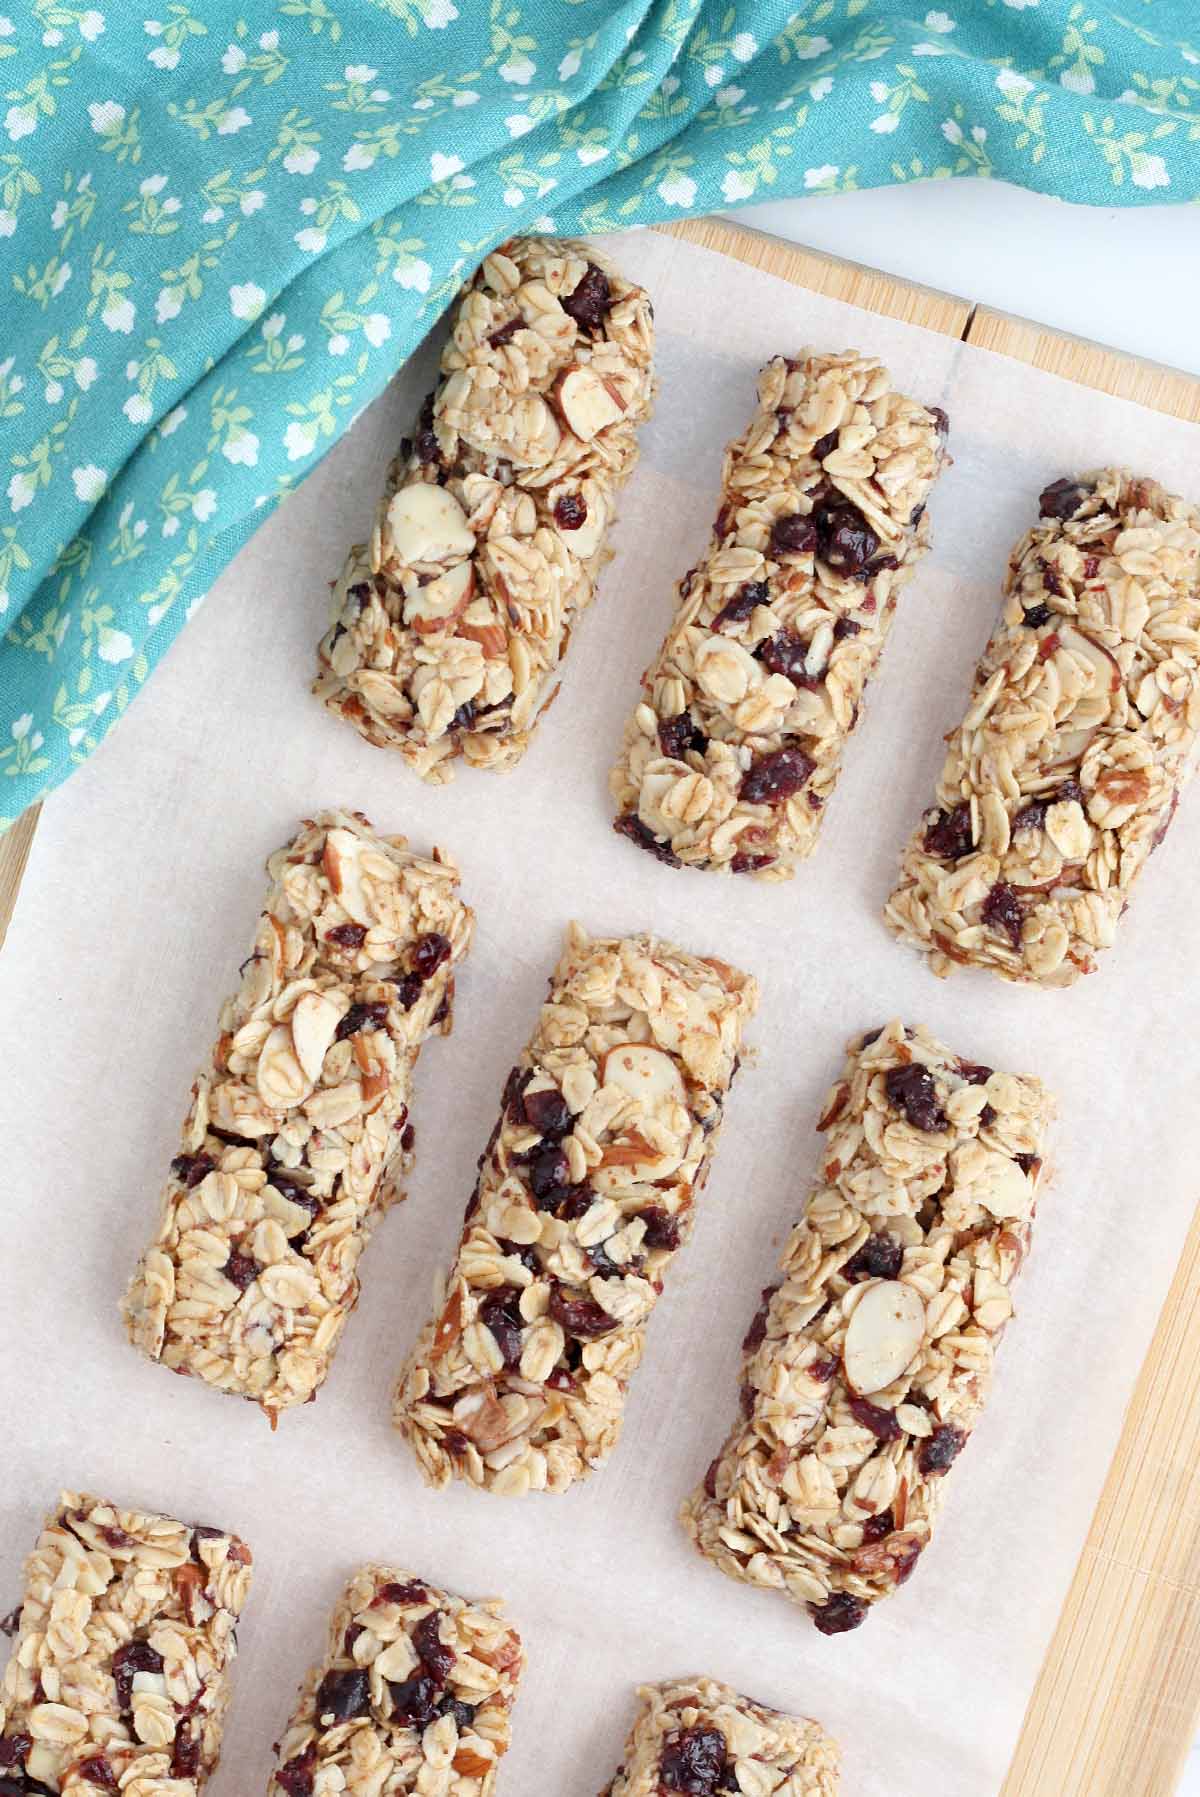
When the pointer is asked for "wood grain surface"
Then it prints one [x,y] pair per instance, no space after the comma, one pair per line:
[1117,1702]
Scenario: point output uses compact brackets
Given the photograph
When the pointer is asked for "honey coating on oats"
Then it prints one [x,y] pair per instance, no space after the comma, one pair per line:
[870,1361]
[449,626]
[414,1695]
[698,1736]
[119,1677]
[298,1128]
[736,744]
[1064,775]
[586,1192]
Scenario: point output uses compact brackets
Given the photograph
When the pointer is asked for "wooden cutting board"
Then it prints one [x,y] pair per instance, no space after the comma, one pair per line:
[1116,1705]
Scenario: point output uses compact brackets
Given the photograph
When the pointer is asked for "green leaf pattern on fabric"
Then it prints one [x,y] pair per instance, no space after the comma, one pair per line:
[222,226]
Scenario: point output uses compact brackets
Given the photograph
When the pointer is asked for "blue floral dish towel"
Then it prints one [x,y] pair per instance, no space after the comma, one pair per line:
[223,226]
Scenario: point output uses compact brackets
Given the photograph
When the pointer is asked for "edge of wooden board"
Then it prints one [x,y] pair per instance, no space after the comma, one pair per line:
[1116,1704]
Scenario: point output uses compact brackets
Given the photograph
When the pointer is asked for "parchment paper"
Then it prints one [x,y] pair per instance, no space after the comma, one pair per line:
[140,901]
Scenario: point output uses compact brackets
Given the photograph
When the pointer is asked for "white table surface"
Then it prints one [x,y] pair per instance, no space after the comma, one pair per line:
[1125,277]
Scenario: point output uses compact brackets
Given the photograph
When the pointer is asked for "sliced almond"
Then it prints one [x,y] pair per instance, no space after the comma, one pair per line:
[645,1073]
[1006,1191]
[314,1024]
[1093,706]
[425,523]
[586,404]
[884,1335]
[434,606]
[341,861]
[282,1082]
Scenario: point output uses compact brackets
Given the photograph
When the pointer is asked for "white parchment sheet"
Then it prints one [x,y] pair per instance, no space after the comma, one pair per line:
[141,899]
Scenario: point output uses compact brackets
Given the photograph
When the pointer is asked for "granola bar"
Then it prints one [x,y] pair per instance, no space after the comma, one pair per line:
[120,1672]
[413,1695]
[737,742]
[448,628]
[868,1365]
[697,1735]
[1081,729]
[585,1195]
[298,1128]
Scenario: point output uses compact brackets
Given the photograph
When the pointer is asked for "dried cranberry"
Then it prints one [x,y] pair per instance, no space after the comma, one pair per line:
[758,1327]
[750,864]
[606,1267]
[426,447]
[408,990]
[241,1270]
[987,1116]
[1036,616]
[429,951]
[344,1695]
[360,1017]
[710,1479]
[839,1614]
[521,1251]
[1027,1162]
[662,1231]
[941,1449]
[408,1136]
[8,1626]
[774,777]
[693,1761]
[415,1701]
[296,1778]
[463,1713]
[793,535]
[880,1257]
[98,1771]
[1069,791]
[1032,816]
[347,935]
[570,511]
[134,1656]
[548,1112]
[591,301]
[352,1634]
[845,627]
[505,332]
[549,1175]
[845,539]
[185,1754]
[435,1657]
[578,1314]
[575,1203]
[500,1312]
[1050,578]
[973,1073]
[882,1423]
[1062,499]
[464,717]
[825,445]
[680,735]
[411,1593]
[822,1369]
[948,833]
[784,654]
[749,596]
[192,1168]
[911,1090]
[1001,909]
[630,824]
[876,1527]
[13,1749]
[510,1098]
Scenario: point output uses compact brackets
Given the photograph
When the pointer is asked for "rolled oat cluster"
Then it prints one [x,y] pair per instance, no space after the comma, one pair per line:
[585,1194]
[449,626]
[1064,775]
[301,1114]
[414,1695]
[119,1675]
[736,746]
[868,1365]
[695,1735]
